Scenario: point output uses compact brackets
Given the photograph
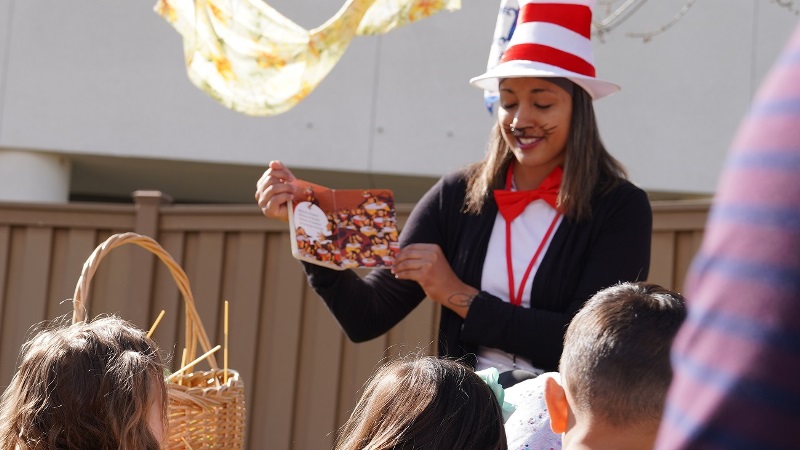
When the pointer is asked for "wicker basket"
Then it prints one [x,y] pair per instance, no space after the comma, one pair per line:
[204,412]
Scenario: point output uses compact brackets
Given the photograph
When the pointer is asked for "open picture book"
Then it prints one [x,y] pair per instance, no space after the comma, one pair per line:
[345,228]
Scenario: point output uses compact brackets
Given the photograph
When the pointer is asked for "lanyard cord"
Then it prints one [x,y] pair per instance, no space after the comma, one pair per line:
[516,298]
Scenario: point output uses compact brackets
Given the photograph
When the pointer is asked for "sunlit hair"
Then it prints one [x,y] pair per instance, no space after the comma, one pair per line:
[587,164]
[87,386]
[616,352]
[424,404]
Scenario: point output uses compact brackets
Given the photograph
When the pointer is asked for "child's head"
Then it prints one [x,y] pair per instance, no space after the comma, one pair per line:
[615,368]
[425,403]
[96,385]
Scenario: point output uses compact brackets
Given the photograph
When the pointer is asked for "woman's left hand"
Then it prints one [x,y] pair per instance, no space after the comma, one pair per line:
[426,264]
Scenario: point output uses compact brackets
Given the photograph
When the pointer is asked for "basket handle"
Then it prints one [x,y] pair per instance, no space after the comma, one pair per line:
[194,327]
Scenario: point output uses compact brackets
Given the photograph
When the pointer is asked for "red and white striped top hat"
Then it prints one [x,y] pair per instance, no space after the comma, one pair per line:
[552,38]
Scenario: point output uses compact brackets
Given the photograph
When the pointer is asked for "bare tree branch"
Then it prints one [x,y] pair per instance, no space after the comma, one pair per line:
[646,37]
[788,4]
[617,17]
[614,16]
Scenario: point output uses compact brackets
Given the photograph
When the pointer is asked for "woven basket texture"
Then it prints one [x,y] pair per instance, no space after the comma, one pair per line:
[204,412]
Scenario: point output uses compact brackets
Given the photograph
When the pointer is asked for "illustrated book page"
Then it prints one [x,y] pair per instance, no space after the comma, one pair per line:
[343,228]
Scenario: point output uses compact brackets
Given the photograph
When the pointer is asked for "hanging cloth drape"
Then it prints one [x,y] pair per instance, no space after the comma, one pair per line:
[252,59]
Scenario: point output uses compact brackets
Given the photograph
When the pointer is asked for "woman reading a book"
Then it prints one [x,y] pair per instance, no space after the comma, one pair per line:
[512,246]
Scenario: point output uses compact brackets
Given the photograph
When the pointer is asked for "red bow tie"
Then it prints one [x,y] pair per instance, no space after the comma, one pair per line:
[512,203]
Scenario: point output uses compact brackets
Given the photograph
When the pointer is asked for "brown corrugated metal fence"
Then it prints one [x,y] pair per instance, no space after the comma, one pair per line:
[302,375]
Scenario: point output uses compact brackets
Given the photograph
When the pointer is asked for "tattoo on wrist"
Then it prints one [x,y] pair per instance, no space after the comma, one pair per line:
[461,299]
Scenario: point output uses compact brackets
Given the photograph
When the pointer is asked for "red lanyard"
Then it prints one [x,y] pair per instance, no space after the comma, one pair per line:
[517,299]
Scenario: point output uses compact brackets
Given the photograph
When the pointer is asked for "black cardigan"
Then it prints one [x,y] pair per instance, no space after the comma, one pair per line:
[584,257]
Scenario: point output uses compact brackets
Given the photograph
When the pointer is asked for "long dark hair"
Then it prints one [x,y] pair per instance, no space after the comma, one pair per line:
[586,163]
[424,403]
[87,386]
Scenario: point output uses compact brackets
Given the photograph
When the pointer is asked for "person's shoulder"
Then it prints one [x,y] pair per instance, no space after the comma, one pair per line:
[619,189]
[454,182]
[457,177]
[447,193]
[529,424]
[615,197]
[535,384]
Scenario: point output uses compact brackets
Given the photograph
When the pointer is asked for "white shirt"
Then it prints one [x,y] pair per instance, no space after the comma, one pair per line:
[527,232]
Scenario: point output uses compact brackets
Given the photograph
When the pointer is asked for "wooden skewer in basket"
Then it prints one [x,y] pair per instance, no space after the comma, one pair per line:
[155,324]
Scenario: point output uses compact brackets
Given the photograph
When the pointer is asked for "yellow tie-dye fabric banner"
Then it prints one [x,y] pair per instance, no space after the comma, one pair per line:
[252,59]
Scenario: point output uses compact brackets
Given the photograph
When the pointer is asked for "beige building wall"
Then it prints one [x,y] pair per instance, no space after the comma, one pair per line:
[104,83]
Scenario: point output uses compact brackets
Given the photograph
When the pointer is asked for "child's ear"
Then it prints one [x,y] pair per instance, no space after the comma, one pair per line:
[557,407]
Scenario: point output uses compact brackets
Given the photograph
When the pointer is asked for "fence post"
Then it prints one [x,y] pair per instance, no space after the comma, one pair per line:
[148,206]
[139,304]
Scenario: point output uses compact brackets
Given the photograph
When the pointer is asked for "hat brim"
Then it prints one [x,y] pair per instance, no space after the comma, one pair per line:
[490,80]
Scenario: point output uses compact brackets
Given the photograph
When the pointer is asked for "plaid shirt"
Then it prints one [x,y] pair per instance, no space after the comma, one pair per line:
[737,357]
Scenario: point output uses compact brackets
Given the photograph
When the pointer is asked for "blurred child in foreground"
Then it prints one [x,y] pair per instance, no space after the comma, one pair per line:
[95,385]
[424,403]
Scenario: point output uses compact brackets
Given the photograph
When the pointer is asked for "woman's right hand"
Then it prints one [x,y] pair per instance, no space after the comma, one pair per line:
[273,191]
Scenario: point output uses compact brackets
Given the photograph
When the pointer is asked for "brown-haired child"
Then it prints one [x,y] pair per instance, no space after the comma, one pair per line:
[615,368]
[95,385]
[425,403]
